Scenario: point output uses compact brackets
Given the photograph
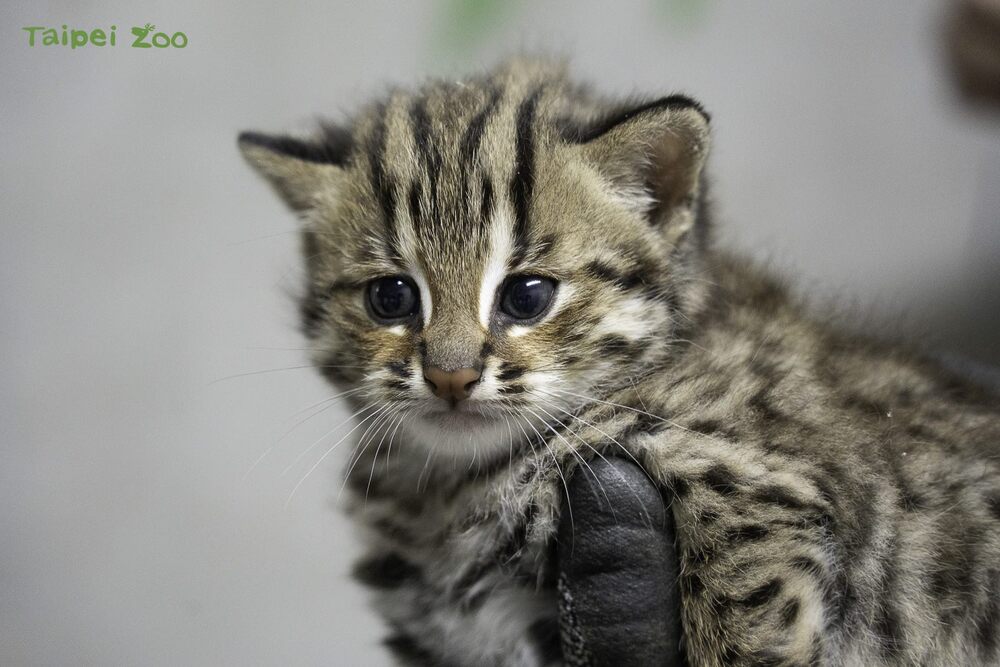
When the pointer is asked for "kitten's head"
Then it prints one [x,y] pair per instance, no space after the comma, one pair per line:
[483,256]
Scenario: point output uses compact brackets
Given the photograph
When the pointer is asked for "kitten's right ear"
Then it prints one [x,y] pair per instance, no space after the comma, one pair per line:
[657,149]
[298,169]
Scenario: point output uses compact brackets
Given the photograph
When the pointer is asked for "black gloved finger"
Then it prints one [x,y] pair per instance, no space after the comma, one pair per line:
[619,600]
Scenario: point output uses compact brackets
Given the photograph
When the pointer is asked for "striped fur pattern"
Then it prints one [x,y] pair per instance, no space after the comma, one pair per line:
[837,499]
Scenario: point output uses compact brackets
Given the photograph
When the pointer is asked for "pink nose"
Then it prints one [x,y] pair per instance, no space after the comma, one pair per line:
[452,386]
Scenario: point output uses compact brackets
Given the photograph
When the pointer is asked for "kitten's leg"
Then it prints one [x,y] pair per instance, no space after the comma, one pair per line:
[618,570]
[756,558]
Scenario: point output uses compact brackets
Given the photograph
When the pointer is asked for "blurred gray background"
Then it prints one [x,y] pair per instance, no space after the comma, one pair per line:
[148,342]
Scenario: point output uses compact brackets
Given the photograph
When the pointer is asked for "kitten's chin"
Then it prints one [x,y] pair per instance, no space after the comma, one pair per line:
[459,419]
[461,434]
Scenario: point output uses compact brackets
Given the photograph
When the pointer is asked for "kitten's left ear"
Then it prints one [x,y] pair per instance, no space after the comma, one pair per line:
[654,151]
[298,169]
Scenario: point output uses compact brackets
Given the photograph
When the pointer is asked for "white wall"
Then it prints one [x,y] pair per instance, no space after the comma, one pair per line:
[141,262]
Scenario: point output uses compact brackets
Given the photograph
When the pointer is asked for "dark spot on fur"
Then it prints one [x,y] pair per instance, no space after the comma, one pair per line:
[385,571]
[399,369]
[746,533]
[408,650]
[776,495]
[462,593]
[692,583]
[762,594]
[705,426]
[887,626]
[863,404]
[644,424]
[806,564]
[993,504]
[393,531]
[625,280]
[509,372]
[761,403]
[824,481]
[679,487]
[789,613]
[397,385]
[335,374]
[602,271]
[921,432]
[612,345]
[518,537]
[708,516]
[720,479]
[712,428]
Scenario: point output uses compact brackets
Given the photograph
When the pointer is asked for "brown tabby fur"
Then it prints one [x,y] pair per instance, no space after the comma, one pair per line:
[837,499]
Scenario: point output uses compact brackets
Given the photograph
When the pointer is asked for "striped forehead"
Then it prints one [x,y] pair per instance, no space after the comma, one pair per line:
[453,171]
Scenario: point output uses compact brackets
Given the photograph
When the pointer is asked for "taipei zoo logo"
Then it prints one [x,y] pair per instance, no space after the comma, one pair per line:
[144,37]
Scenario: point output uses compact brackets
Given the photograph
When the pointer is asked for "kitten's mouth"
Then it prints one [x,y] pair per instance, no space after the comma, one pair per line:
[459,416]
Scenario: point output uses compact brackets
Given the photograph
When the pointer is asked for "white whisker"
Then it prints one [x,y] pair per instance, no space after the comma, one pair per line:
[323,437]
[327,453]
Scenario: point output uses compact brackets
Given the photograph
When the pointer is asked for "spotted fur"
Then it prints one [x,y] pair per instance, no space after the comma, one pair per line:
[837,499]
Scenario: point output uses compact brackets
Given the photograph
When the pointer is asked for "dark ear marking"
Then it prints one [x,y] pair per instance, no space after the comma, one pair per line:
[333,146]
[582,134]
[658,148]
[298,169]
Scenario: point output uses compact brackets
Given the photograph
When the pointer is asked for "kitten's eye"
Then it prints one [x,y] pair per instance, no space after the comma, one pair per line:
[527,297]
[393,297]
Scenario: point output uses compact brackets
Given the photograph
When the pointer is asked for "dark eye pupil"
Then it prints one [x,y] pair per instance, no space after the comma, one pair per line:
[525,298]
[392,298]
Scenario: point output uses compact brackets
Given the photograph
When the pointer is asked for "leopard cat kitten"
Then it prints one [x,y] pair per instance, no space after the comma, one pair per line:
[512,276]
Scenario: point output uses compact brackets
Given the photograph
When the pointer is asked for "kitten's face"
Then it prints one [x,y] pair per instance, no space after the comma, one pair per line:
[473,274]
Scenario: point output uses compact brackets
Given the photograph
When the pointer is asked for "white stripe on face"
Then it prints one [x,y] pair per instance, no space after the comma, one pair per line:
[628,319]
[426,307]
[501,247]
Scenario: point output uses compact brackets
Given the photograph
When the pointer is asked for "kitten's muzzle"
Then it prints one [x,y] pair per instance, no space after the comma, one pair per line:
[452,386]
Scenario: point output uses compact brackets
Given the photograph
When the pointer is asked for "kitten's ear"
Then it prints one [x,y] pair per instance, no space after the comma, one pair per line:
[298,169]
[654,151]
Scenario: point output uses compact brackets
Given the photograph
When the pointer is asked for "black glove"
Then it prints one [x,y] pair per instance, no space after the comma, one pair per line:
[618,595]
